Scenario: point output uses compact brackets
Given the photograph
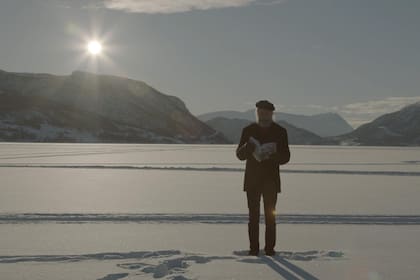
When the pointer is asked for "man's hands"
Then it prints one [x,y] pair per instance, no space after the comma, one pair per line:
[250,145]
[280,153]
[261,152]
[266,152]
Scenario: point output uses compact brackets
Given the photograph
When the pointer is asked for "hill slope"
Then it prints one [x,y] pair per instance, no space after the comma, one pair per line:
[327,124]
[400,128]
[89,107]
[232,129]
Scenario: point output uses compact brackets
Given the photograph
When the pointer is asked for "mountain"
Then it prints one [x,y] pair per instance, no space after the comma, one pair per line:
[86,107]
[400,128]
[232,129]
[326,124]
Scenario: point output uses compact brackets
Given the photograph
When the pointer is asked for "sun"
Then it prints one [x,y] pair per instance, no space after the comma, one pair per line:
[94,47]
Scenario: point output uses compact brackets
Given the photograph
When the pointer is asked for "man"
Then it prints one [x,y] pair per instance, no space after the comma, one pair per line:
[262,176]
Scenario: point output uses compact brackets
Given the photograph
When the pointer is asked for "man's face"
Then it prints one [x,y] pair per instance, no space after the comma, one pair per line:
[264,114]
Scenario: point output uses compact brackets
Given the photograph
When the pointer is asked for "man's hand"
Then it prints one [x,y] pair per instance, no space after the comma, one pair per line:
[250,145]
[282,153]
[267,150]
[265,155]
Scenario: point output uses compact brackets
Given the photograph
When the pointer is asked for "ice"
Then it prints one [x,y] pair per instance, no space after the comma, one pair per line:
[136,211]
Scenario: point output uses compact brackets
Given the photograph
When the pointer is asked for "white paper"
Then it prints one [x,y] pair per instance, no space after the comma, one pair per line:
[263,151]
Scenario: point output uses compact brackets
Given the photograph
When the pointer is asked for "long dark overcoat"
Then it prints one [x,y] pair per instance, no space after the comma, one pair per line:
[257,172]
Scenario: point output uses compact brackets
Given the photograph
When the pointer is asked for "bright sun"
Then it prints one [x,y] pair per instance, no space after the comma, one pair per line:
[94,47]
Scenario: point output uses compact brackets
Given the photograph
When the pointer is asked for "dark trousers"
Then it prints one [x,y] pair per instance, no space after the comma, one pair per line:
[269,194]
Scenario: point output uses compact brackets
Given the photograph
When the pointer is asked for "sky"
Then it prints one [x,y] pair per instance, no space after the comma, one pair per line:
[359,58]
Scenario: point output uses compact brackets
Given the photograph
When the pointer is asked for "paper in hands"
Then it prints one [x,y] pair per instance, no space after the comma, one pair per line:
[263,151]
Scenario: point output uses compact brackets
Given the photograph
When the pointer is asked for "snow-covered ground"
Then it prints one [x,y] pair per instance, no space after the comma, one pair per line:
[125,211]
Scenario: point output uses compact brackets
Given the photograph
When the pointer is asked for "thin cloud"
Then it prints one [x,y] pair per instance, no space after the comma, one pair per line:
[379,106]
[359,113]
[363,112]
[179,6]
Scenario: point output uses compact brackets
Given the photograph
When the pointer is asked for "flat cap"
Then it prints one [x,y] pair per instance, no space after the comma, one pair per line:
[265,104]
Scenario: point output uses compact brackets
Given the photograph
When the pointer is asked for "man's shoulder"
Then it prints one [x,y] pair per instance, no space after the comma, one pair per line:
[254,125]
[250,126]
[279,127]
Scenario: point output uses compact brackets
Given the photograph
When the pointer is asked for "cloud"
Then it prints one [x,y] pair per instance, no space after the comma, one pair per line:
[179,6]
[379,106]
[362,112]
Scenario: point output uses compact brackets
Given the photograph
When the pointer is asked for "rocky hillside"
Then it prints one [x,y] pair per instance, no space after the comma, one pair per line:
[400,128]
[85,107]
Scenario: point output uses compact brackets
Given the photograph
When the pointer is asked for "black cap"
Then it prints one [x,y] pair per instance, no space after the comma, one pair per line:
[265,104]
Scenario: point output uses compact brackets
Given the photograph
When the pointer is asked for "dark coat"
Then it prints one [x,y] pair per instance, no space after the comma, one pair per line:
[257,172]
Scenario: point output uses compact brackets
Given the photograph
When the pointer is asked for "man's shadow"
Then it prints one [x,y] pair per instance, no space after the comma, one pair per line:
[280,264]
[275,261]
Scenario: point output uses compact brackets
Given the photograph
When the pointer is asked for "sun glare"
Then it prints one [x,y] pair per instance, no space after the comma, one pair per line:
[94,47]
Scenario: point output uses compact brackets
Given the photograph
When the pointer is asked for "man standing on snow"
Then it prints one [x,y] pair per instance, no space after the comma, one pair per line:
[264,146]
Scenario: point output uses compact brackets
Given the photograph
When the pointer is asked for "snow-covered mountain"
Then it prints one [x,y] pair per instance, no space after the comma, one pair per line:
[400,128]
[232,129]
[85,107]
[326,124]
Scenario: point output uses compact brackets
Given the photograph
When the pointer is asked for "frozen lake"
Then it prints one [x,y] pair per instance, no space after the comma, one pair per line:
[346,212]
[120,178]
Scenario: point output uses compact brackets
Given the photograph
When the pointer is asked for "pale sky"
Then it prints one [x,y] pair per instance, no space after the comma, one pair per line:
[360,58]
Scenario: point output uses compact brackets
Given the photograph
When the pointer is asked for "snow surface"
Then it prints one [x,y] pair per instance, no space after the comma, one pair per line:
[127,211]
